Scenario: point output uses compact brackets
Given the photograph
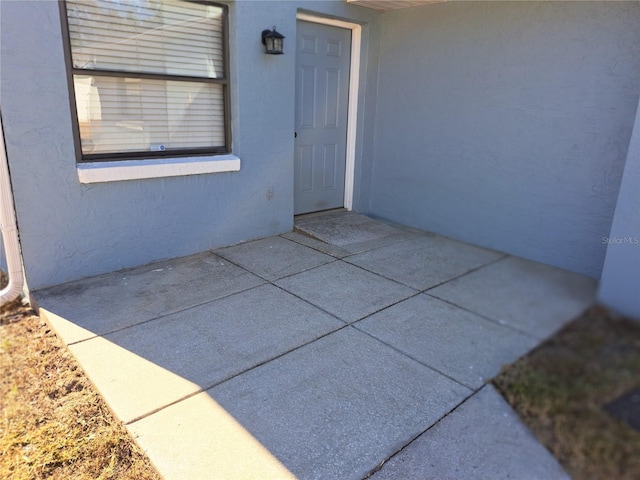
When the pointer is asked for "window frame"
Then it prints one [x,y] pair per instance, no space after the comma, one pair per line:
[148,155]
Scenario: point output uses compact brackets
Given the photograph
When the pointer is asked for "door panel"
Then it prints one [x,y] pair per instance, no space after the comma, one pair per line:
[323,58]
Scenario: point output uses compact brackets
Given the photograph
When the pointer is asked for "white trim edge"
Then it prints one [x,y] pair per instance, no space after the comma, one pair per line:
[354,83]
[115,171]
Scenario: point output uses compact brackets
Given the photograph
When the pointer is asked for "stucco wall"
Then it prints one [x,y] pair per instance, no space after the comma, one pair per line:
[620,281]
[69,230]
[507,124]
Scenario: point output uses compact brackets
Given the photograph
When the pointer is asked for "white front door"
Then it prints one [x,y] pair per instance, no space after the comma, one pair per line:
[323,59]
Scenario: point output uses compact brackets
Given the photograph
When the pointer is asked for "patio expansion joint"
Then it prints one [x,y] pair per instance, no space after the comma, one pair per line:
[271,280]
[416,292]
[474,269]
[502,258]
[399,238]
[317,249]
[301,271]
[424,290]
[301,231]
[379,274]
[468,387]
[309,303]
[92,337]
[489,319]
[376,244]
[160,316]
[455,407]
[206,387]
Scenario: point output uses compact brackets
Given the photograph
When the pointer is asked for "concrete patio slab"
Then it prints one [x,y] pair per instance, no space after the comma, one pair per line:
[203,345]
[359,247]
[424,261]
[117,300]
[130,384]
[222,368]
[344,228]
[344,290]
[333,250]
[275,257]
[197,439]
[482,438]
[534,298]
[336,408]
[463,346]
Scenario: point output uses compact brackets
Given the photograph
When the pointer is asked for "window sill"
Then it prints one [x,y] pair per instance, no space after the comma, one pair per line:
[117,171]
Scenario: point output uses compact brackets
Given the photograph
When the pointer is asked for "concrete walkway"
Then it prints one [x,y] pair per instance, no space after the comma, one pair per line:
[322,353]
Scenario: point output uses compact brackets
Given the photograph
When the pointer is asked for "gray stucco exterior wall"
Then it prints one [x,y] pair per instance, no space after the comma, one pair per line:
[71,230]
[507,124]
[620,281]
[504,124]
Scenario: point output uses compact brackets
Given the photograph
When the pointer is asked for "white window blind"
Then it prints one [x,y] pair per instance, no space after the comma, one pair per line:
[149,76]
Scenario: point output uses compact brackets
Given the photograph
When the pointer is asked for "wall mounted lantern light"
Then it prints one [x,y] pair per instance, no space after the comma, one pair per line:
[273,42]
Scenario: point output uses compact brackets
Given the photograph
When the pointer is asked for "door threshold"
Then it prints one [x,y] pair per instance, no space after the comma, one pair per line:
[320,213]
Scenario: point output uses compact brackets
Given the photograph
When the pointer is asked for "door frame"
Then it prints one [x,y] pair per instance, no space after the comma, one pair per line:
[352,105]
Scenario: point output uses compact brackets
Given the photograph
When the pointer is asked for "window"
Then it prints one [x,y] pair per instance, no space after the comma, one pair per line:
[150,77]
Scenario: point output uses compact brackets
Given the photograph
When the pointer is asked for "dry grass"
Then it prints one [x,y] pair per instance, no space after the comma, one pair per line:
[560,389]
[53,424]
